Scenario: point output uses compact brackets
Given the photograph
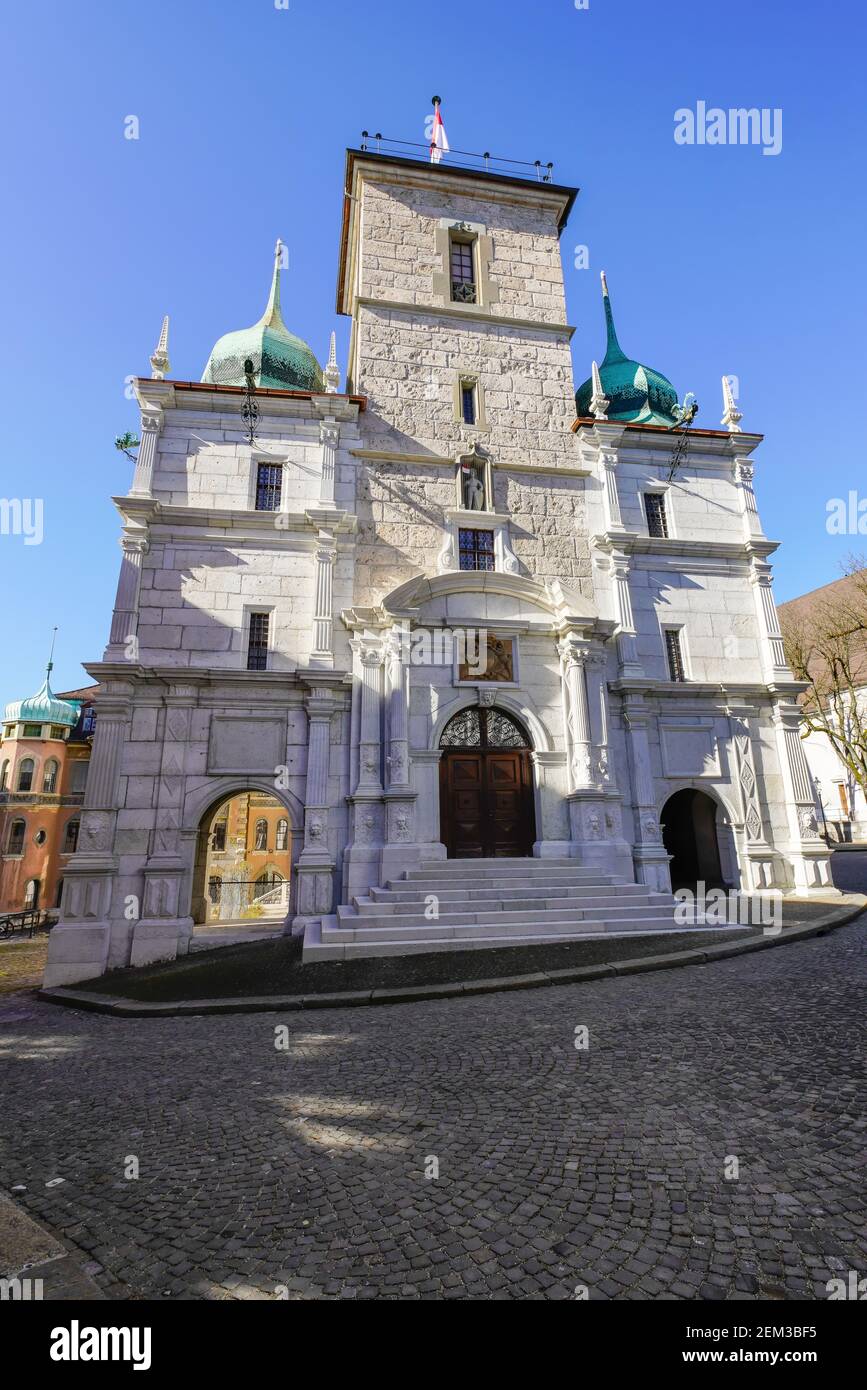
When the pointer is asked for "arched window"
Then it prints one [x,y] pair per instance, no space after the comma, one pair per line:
[4,774]
[49,776]
[70,839]
[31,893]
[26,768]
[282,834]
[481,727]
[15,843]
[261,834]
[59,898]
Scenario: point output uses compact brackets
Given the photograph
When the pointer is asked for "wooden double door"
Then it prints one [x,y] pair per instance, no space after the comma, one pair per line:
[486,792]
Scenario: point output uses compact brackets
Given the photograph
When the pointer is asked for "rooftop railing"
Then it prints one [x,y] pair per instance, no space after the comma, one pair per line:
[460,159]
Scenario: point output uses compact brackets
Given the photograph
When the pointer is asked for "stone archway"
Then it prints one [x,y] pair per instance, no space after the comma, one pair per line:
[691,835]
[486,785]
[245,836]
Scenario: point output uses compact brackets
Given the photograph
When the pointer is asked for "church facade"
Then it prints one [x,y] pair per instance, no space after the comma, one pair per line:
[452,616]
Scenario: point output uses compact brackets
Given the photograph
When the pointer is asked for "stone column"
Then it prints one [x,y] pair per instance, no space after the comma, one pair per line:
[329,438]
[626,643]
[573,655]
[323,621]
[608,461]
[811,866]
[316,862]
[363,857]
[124,622]
[758,867]
[164,931]
[743,474]
[649,854]
[371,653]
[597,693]
[400,850]
[81,945]
[773,654]
[142,483]
[398,709]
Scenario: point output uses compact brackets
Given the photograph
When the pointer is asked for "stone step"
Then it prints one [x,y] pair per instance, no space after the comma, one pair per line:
[497,862]
[320,942]
[503,882]
[497,922]
[385,896]
[503,869]
[460,904]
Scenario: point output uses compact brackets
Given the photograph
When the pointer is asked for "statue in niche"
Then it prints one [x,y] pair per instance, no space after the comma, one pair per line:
[473,489]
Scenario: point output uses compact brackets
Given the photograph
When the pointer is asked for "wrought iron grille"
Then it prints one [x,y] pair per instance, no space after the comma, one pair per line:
[483,728]
[257,648]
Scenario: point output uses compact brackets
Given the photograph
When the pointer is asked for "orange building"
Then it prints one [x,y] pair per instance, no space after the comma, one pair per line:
[45,747]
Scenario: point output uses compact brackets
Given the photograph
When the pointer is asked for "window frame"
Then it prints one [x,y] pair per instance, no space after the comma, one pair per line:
[21,766]
[50,767]
[466,245]
[249,614]
[475,550]
[8,848]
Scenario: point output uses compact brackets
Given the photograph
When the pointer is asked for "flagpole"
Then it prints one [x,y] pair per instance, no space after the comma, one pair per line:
[433,145]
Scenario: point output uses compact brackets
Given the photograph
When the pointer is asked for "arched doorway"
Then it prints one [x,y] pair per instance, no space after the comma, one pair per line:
[486,786]
[690,835]
[243,861]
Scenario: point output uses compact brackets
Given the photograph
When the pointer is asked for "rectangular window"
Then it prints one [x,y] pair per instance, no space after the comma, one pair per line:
[674,654]
[269,483]
[32,730]
[257,645]
[70,842]
[476,549]
[58,731]
[468,402]
[79,776]
[218,838]
[657,521]
[463,271]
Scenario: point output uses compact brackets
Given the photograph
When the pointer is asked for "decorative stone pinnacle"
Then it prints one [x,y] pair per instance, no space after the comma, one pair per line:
[599,402]
[160,356]
[731,415]
[332,371]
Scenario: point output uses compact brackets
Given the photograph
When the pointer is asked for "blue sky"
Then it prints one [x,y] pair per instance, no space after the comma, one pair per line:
[719,258]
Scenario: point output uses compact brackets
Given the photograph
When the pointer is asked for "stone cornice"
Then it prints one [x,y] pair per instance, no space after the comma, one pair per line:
[245,525]
[675,547]
[208,396]
[685,691]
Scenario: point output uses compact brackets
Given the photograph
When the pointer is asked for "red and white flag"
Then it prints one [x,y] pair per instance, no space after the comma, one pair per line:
[439,144]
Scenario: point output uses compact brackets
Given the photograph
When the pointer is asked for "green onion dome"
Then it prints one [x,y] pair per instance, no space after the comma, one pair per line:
[634,392]
[279,359]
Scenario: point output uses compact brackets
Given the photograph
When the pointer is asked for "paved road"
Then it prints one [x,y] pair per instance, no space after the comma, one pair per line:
[300,1173]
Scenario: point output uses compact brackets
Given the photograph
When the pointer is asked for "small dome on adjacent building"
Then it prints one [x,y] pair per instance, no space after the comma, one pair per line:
[280,360]
[41,708]
[634,392]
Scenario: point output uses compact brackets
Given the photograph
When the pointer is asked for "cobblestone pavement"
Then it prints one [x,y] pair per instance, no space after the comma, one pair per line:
[22,963]
[300,1173]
